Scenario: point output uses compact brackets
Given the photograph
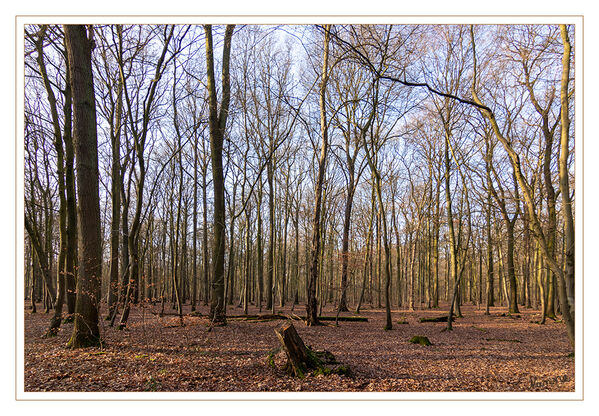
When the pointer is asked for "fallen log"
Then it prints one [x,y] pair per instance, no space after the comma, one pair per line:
[161,314]
[272,317]
[437,319]
[343,318]
[264,317]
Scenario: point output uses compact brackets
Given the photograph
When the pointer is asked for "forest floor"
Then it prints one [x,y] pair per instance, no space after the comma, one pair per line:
[497,352]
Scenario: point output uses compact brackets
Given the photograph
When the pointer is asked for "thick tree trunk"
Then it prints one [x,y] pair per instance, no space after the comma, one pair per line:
[85,331]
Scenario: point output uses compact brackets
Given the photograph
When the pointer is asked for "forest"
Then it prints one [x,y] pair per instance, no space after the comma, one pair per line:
[200,201]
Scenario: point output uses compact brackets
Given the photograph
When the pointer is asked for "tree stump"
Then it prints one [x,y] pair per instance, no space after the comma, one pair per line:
[299,361]
[302,358]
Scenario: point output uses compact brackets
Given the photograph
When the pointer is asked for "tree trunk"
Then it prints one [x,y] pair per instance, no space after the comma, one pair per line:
[60,171]
[345,241]
[259,254]
[270,262]
[453,265]
[366,257]
[205,258]
[116,208]
[33,277]
[217,123]
[311,306]
[566,285]
[511,271]
[85,331]
[194,265]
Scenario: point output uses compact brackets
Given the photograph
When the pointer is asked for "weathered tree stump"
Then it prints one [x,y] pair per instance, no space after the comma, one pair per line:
[297,354]
[301,359]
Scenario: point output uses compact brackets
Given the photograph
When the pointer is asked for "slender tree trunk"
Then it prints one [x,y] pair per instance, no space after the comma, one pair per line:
[178,265]
[366,257]
[71,261]
[217,124]
[116,209]
[398,256]
[283,280]
[511,271]
[259,254]
[538,262]
[205,258]
[246,286]
[345,241]
[566,284]
[453,265]
[311,307]
[194,265]
[270,262]
[33,277]
[490,282]
[412,271]
[60,170]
